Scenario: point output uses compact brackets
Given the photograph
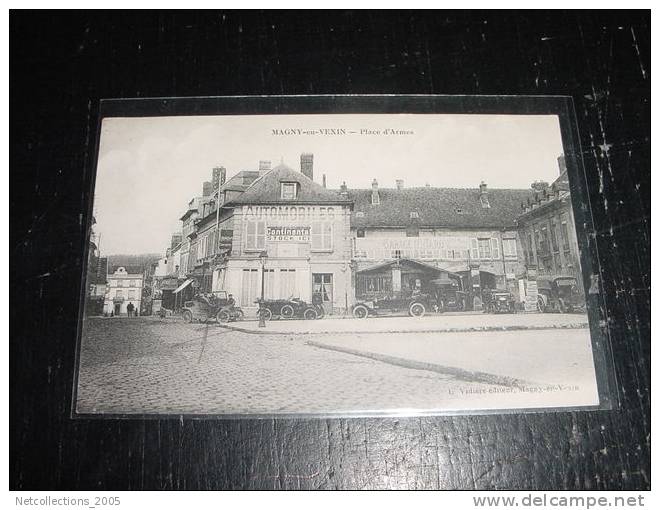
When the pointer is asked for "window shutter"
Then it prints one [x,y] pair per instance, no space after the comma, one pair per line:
[495,248]
[475,249]
[261,235]
[251,238]
[317,236]
[327,236]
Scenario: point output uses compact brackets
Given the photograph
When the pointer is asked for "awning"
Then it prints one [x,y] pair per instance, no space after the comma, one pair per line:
[183,286]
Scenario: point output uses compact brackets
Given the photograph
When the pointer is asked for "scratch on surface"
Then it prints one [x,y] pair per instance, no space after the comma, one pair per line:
[639,57]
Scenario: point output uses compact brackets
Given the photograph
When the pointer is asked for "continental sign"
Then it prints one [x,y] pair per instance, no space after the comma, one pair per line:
[288,234]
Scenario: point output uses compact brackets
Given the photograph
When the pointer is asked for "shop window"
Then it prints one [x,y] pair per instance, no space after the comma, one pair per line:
[474,249]
[250,289]
[255,238]
[321,236]
[269,284]
[289,190]
[509,247]
[288,283]
[484,248]
[370,285]
[360,232]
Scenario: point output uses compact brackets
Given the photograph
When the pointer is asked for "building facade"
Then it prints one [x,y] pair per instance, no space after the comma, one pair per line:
[124,287]
[431,233]
[546,227]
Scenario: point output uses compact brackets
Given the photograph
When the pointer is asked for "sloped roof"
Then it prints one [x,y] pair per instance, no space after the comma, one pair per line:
[437,207]
[237,182]
[266,189]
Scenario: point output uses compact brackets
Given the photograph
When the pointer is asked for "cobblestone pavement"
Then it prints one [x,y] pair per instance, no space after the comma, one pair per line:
[148,365]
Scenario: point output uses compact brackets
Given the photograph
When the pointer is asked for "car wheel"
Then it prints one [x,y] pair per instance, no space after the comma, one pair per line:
[417,310]
[239,314]
[223,316]
[541,304]
[360,312]
[187,316]
[310,314]
[286,311]
[267,314]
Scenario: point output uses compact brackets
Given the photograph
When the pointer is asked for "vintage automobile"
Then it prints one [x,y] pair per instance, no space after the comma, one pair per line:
[217,305]
[559,294]
[448,295]
[291,308]
[498,301]
[414,305]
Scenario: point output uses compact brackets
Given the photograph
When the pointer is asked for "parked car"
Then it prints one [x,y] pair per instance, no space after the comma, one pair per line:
[289,309]
[414,305]
[217,305]
[498,301]
[559,294]
[449,295]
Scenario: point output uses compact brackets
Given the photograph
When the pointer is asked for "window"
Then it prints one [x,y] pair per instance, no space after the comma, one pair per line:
[369,285]
[321,236]
[564,236]
[553,236]
[288,283]
[250,290]
[396,254]
[474,249]
[131,294]
[360,232]
[414,214]
[495,248]
[256,235]
[484,248]
[359,214]
[119,293]
[484,202]
[530,247]
[289,190]
[509,247]
[120,283]
[269,284]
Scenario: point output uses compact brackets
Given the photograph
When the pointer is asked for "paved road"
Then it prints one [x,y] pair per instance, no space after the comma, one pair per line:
[147,365]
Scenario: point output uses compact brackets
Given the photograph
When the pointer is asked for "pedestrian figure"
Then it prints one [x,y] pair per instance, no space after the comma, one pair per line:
[129,309]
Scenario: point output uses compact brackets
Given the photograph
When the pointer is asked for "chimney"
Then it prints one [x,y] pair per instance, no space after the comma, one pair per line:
[324,180]
[483,195]
[207,189]
[375,196]
[307,164]
[219,177]
[561,161]
[399,184]
[264,167]
[343,189]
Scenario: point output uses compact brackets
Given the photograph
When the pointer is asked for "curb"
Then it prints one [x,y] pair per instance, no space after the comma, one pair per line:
[441,330]
[459,373]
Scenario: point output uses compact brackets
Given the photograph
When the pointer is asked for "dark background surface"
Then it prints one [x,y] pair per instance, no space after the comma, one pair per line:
[62,64]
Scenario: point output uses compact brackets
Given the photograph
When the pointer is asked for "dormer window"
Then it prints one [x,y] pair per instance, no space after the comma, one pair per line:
[359,214]
[484,201]
[289,190]
[414,214]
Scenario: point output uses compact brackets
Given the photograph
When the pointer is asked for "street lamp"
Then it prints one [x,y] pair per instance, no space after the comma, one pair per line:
[262,257]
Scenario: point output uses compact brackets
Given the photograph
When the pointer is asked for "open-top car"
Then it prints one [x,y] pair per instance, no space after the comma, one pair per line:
[559,294]
[289,309]
[217,305]
[414,305]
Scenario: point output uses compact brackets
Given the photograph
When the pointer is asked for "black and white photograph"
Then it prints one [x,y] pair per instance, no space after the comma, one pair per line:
[324,264]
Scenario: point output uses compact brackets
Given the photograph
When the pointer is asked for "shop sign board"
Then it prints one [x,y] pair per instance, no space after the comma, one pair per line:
[288,234]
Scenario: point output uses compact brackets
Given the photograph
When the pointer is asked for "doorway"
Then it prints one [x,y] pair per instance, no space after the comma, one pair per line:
[117,309]
[322,291]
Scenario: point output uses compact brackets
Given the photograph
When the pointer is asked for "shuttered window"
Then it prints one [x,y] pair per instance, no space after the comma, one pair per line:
[255,238]
[321,236]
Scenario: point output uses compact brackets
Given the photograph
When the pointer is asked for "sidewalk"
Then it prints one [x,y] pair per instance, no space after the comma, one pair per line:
[427,324]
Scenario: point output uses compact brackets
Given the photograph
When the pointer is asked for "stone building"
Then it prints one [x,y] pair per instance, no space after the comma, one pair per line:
[546,227]
[124,286]
[407,237]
